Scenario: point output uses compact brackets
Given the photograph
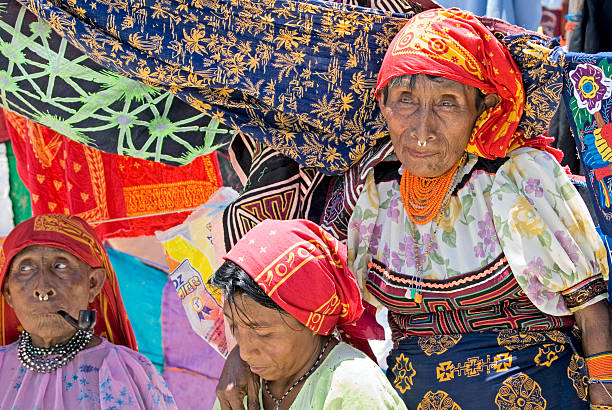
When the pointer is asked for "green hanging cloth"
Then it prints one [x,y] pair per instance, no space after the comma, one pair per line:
[20,197]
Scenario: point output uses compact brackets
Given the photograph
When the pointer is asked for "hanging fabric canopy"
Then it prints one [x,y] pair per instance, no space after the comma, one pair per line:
[47,80]
[296,76]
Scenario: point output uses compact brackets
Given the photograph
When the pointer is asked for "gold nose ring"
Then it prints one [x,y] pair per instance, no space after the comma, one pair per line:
[43,298]
[421,143]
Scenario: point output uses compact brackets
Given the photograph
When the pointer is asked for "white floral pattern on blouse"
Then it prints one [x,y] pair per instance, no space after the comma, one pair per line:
[528,209]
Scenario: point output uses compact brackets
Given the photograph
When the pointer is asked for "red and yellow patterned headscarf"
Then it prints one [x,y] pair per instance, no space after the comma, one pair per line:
[303,269]
[454,44]
[71,234]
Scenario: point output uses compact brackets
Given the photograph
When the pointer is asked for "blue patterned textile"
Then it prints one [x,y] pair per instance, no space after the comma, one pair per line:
[297,76]
[509,369]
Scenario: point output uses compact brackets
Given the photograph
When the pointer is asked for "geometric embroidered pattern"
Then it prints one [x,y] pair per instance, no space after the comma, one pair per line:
[276,187]
[487,299]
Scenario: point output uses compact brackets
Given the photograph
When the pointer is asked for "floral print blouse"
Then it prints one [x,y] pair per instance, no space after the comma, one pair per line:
[523,206]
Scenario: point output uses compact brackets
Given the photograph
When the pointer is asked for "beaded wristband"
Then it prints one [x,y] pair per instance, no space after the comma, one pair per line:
[595,380]
[600,407]
[574,18]
[600,365]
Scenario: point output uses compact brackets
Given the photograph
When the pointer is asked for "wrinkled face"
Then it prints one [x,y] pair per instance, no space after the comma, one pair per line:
[437,112]
[69,283]
[275,345]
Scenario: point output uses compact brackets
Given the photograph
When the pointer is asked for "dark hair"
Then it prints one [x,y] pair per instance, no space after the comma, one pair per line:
[409,80]
[233,280]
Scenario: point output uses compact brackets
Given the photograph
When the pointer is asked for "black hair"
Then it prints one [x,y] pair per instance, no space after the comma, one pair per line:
[409,81]
[233,280]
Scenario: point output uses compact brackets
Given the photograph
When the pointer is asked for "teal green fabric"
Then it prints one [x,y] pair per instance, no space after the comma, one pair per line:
[141,289]
[20,197]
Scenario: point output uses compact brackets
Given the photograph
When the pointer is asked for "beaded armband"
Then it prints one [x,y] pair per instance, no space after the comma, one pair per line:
[599,367]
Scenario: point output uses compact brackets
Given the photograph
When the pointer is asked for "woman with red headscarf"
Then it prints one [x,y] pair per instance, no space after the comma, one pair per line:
[478,244]
[287,289]
[53,263]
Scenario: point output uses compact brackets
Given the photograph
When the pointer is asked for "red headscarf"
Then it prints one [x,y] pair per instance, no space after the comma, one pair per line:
[303,269]
[454,44]
[71,234]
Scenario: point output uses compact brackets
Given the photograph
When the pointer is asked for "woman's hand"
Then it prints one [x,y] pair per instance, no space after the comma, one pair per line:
[595,323]
[235,382]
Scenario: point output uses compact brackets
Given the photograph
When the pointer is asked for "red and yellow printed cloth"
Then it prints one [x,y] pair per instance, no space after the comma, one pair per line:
[66,177]
[304,270]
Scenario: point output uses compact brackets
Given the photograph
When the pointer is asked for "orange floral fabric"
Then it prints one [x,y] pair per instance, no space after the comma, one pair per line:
[71,234]
[66,177]
[454,44]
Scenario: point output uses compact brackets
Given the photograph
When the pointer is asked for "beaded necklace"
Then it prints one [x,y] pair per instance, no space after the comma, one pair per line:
[423,197]
[456,174]
[48,360]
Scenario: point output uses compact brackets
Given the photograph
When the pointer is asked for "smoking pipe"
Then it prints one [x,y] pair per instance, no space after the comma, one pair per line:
[87,319]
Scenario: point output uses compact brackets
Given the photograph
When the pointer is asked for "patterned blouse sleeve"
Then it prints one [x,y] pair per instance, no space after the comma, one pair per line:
[547,234]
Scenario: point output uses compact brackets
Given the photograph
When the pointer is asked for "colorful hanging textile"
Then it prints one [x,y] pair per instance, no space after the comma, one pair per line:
[297,76]
[191,258]
[64,176]
[4,137]
[47,80]
[20,197]
[141,288]
[587,92]
[191,366]
[6,222]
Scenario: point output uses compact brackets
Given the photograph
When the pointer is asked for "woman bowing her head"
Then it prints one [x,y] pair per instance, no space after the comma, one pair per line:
[287,289]
[56,263]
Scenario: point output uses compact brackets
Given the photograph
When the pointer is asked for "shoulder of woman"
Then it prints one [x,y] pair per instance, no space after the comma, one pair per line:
[346,361]
[113,354]
[531,166]
[357,382]
[8,352]
[531,156]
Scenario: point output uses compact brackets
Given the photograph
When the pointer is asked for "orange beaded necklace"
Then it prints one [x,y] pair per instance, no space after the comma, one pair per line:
[423,197]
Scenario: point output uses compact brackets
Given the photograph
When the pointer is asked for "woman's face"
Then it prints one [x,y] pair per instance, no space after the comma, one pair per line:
[69,283]
[275,345]
[438,112]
